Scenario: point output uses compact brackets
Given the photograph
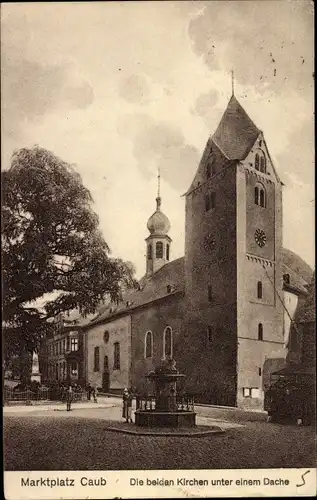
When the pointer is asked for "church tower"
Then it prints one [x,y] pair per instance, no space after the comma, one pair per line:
[158,243]
[233,270]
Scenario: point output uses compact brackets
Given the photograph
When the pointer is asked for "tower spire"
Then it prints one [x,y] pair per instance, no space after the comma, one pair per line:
[158,199]
[232,82]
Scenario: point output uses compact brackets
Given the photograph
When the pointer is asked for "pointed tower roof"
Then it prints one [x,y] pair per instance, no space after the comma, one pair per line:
[236,132]
[158,224]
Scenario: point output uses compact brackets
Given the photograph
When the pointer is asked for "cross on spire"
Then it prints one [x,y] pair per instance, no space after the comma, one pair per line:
[232,81]
[158,199]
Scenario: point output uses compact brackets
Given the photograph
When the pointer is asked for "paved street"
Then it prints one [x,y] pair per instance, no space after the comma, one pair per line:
[53,439]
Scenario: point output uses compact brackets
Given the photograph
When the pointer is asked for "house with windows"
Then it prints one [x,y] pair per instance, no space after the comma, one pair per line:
[61,356]
[224,310]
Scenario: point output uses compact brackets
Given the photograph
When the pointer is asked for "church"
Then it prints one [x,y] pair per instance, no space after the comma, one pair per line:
[222,311]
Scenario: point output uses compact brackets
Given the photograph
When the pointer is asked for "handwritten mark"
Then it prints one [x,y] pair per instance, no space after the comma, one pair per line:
[299,485]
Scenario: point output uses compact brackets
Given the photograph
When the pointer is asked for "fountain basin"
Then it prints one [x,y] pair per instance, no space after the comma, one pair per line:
[165,408]
[165,419]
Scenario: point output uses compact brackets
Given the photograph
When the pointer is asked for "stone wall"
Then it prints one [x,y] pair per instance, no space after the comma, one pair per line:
[104,335]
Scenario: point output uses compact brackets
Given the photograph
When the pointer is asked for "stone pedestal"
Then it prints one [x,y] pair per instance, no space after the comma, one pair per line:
[35,374]
[169,410]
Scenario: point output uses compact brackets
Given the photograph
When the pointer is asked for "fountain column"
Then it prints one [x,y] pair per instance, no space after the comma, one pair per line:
[35,373]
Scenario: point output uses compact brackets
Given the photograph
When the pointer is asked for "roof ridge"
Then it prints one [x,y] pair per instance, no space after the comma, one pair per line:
[236,132]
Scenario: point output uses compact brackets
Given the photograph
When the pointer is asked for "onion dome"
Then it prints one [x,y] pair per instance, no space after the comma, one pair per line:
[158,223]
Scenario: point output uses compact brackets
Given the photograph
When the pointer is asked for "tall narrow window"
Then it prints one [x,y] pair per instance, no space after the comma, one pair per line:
[105,363]
[167,342]
[74,344]
[207,203]
[210,294]
[167,251]
[256,195]
[263,164]
[209,334]
[257,162]
[260,331]
[210,201]
[148,345]
[96,359]
[213,200]
[149,251]
[74,369]
[159,250]
[210,169]
[116,356]
[260,289]
[259,195]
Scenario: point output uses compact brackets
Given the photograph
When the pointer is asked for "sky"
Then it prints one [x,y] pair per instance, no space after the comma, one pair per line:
[120,89]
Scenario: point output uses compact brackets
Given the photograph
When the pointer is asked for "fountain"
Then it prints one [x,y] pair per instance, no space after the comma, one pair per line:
[165,408]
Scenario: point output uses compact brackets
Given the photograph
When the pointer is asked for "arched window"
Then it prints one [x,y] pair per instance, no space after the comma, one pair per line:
[116,356]
[148,345]
[260,289]
[260,161]
[149,251]
[260,331]
[259,195]
[167,251]
[168,342]
[105,363]
[159,250]
[96,359]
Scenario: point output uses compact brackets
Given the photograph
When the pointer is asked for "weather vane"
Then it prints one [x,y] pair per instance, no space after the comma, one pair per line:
[232,81]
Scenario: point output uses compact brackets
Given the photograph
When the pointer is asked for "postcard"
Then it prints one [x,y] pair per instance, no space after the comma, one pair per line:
[158,249]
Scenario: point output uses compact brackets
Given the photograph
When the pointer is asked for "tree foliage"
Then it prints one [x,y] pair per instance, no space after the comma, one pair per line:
[51,243]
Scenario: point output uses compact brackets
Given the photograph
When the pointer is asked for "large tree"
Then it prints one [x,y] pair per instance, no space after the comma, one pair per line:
[51,244]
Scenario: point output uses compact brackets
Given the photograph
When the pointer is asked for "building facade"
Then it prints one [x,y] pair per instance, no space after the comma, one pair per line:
[62,356]
[224,310]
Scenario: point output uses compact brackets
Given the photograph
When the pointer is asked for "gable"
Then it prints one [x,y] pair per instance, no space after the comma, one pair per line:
[260,147]
[213,155]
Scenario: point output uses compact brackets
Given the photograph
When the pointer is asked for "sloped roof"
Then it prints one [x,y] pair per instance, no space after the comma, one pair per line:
[296,281]
[236,132]
[155,287]
[152,288]
[297,264]
[307,313]
[74,318]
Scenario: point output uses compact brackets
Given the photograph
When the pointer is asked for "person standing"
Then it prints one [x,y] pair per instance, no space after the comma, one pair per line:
[125,397]
[130,399]
[88,389]
[127,405]
[69,398]
[94,393]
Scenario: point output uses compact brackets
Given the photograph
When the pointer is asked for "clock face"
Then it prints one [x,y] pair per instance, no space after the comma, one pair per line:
[260,237]
[209,242]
